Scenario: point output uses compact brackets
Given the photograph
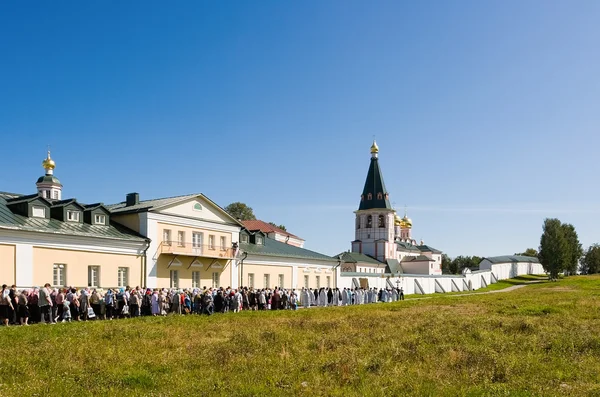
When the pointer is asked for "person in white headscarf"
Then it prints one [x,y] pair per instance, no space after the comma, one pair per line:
[322,298]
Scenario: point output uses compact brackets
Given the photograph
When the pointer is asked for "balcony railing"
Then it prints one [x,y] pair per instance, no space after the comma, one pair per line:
[193,249]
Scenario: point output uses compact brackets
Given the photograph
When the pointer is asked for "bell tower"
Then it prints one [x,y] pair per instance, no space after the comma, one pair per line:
[374,223]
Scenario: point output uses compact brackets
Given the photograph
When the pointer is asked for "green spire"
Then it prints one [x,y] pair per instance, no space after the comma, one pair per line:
[375,195]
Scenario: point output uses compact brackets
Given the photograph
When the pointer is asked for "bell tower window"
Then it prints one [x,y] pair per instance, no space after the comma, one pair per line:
[369,221]
[381,221]
[357,223]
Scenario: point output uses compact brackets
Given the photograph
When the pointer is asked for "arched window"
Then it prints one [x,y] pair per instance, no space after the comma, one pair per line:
[369,221]
[381,221]
[379,196]
[369,196]
[357,223]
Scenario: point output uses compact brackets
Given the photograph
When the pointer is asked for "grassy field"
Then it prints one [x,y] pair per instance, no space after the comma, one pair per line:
[543,339]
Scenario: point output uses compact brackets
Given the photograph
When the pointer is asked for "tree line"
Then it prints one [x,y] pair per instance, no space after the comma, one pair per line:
[244,212]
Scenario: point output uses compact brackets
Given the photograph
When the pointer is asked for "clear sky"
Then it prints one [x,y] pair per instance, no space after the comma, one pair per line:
[487,113]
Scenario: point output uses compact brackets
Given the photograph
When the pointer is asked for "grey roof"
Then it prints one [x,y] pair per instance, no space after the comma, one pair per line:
[407,246]
[357,257]
[147,205]
[393,267]
[417,258]
[426,248]
[272,247]
[11,221]
[512,259]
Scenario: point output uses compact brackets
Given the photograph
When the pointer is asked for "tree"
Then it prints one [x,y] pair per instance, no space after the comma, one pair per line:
[574,250]
[240,211]
[590,263]
[554,252]
[282,227]
[446,261]
[528,252]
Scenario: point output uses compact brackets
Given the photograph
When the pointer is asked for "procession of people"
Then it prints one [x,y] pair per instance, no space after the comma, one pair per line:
[51,305]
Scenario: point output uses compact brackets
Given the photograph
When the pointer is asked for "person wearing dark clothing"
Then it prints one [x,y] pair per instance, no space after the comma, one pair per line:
[330,296]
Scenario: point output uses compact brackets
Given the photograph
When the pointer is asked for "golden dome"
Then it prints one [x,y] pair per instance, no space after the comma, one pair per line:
[48,163]
[397,220]
[406,222]
[374,148]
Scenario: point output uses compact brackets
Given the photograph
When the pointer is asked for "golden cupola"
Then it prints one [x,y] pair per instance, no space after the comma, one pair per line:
[406,222]
[397,220]
[374,148]
[49,164]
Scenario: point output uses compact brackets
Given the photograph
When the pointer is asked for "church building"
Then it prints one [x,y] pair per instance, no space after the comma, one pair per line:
[383,241]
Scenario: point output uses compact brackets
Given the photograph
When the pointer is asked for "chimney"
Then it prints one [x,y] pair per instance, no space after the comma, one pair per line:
[132,199]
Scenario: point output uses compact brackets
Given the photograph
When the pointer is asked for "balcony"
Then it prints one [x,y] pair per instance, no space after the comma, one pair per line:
[193,249]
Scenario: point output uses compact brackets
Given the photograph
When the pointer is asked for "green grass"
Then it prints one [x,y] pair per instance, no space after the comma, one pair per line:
[543,339]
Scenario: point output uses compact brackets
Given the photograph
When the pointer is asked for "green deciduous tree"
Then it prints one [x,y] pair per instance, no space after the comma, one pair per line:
[554,252]
[574,249]
[446,262]
[528,252]
[590,263]
[240,211]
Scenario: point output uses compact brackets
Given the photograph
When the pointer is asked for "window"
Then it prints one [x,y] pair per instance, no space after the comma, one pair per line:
[93,276]
[369,196]
[55,195]
[46,193]
[73,216]
[223,243]
[167,236]
[58,275]
[197,207]
[318,279]
[211,242]
[181,238]
[259,240]
[100,219]
[266,280]
[280,281]
[123,277]
[369,221]
[357,223]
[328,281]
[251,280]
[379,196]
[195,279]
[174,278]
[38,212]
[305,281]
[381,221]
[216,283]
[197,239]
[244,238]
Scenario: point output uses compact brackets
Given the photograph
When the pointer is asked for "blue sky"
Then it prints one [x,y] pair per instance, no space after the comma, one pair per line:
[487,114]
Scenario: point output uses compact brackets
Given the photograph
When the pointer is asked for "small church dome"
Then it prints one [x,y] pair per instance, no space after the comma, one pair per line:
[406,222]
[48,163]
[374,148]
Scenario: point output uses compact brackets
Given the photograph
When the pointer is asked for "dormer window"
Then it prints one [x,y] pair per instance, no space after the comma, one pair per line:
[259,240]
[369,196]
[379,196]
[38,212]
[244,238]
[100,219]
[73,216]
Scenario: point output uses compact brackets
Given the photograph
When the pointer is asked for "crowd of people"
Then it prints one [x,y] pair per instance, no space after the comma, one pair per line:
[51,305]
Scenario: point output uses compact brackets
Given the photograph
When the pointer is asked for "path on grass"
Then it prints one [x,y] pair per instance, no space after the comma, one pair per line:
[508,289]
